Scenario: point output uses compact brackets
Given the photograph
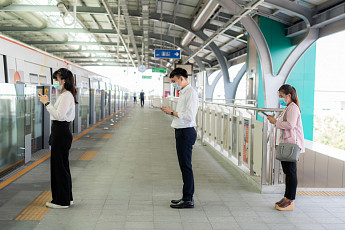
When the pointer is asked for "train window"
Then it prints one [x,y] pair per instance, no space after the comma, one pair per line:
[33,78]
[43,79]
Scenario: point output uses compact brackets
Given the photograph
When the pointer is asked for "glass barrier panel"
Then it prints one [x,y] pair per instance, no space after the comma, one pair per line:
[246,141]
[212,126]
[219,128]
[112,106]
[234,136]
[208,121]
[225,132]
[257,151]
[106,101]
[37,117]
[84,107]
[11,125]
[98,105]
[33,117]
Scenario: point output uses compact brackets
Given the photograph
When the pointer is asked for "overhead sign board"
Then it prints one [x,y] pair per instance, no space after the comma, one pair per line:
[159,70]
[168,54]
[147,77]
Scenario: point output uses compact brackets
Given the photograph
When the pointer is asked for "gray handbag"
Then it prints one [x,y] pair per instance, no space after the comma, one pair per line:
[288,151]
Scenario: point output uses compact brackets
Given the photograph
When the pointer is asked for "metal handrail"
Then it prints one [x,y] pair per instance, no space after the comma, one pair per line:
[247,107]
[218,99]
[270,169]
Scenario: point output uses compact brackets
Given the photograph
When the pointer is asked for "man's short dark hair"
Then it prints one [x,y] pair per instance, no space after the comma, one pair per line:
[179,72]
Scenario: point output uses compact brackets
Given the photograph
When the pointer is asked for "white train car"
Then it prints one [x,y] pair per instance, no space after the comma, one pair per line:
[24,124]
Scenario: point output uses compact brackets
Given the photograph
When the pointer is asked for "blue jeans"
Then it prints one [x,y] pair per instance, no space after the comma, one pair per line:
[185,139]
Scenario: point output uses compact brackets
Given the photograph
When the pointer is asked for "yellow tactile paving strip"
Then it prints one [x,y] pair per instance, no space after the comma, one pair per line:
[116,126]
[36,210]
[106,136]
[88,156]
[321,193]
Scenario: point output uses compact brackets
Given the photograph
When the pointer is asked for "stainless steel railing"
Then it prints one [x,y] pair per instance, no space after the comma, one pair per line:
[242,134]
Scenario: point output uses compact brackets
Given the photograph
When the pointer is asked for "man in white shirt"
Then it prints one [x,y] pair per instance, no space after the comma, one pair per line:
[184,124]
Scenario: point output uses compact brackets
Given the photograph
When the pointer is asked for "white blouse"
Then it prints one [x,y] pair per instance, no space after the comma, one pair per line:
[63,109]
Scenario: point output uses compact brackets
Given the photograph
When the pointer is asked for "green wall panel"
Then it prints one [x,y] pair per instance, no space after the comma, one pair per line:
[302,76]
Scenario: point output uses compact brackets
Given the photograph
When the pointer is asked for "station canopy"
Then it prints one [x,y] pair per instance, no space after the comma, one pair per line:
[126,32]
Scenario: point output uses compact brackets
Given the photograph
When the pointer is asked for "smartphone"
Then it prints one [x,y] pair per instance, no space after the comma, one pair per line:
[265,113]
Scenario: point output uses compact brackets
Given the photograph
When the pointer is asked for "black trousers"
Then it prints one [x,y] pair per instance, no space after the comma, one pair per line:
[142,102]
[61,181]
[185,139]
[290,170]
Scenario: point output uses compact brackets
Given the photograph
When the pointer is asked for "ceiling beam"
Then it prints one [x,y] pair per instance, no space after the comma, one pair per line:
[319,20]
[127,20]
[113,21]
[50,8]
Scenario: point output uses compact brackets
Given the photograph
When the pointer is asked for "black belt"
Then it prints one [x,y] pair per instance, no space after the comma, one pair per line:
[61,122]
[184,128]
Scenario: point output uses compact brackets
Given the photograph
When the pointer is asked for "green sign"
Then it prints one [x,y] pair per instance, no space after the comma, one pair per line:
[147,77]
[159,70]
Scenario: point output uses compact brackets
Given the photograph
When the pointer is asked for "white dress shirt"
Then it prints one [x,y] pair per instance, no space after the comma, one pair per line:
[187,108]
[63,109]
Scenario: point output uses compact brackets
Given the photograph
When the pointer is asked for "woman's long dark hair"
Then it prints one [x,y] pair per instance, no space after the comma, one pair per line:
[288,89]
[69,85]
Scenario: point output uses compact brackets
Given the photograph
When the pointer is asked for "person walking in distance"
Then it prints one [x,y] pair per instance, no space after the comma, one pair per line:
[290,124]
[185,134]
[135,97]
[142,98]
[62,113]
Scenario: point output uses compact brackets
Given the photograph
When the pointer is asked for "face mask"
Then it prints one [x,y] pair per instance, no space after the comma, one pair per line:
[176,86]
[282,102]
[57,85]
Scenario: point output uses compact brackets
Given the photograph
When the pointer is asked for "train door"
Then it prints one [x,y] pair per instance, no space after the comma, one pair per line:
[33,118]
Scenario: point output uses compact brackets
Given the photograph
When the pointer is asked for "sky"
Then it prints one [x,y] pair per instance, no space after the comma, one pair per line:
[330,74]
[330,62]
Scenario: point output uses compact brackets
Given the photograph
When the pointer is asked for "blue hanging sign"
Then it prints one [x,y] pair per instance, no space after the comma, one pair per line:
[168,54]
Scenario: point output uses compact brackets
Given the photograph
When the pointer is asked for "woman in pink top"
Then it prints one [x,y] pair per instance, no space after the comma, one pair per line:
[290,124]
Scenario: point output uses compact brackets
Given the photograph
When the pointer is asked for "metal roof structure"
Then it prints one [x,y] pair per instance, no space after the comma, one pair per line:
[126,32]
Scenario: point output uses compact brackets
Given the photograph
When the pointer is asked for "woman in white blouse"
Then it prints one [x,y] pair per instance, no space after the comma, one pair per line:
[61,113]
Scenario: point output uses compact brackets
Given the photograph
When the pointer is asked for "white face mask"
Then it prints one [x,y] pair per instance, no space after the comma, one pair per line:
[57,85]
[176,86]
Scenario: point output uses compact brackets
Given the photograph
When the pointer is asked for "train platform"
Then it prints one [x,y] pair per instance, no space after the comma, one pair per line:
[125,172]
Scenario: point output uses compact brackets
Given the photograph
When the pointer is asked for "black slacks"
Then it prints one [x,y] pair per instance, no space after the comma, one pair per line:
[61,181]
[185,139]
[290,170]
[142,102]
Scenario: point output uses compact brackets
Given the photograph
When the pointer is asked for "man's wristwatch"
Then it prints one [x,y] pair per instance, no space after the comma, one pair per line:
[172,113]
[47,103]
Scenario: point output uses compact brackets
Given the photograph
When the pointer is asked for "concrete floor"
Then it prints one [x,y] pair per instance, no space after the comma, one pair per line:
[130,182]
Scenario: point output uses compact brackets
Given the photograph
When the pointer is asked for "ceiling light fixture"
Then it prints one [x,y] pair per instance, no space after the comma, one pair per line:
[64,12]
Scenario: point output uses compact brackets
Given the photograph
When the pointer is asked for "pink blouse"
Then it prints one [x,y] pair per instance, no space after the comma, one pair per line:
[292,126]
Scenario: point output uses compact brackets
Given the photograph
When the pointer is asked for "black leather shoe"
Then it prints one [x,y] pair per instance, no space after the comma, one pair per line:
[183,204]
[176,201]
